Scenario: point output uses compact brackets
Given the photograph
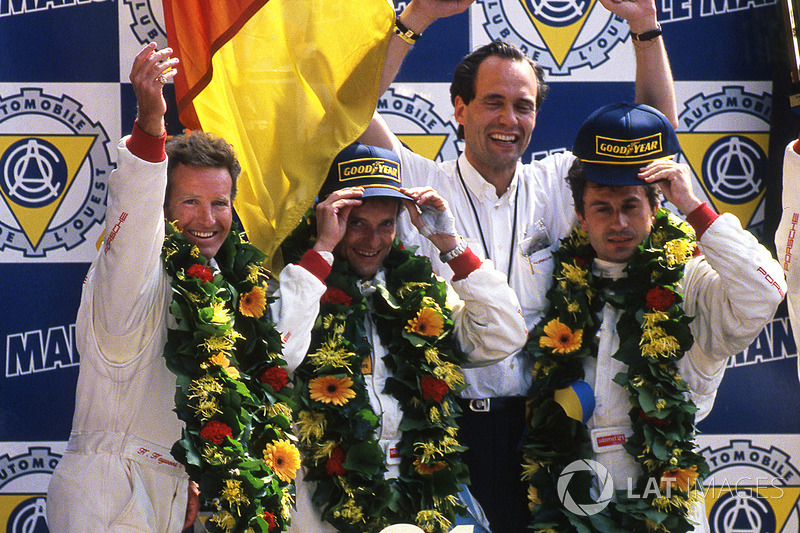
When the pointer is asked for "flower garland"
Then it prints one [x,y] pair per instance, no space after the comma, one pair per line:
[336,423]
[654,333]
[232,390]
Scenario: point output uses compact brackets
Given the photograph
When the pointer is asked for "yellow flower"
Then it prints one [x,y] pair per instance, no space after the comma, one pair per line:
[431,520]
[330,354]
[560,338]
[654,317]
[222,360]
[207,408]
[574,274]
[330,389]
[287,502]
[324,450]
[280,408]
[678,251]
[427,301]
[533,497]
[450,373]
[427,469]
[232,492]
[410,286]
[220,313]
[432,356]
[429,323]
[214,455]
[529,467]
[224,519]
[222,343]
[573,307]
[283,458]
[579,237]
[350,512]
[253,303]
[431,448]
[204,387]
[664,347]
[310,425]
[253,272]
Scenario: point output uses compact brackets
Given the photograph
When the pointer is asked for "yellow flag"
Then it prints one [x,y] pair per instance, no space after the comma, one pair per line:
[288,83]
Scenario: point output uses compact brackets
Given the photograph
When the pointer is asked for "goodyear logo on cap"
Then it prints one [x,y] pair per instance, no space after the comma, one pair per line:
[637,149]
[369,168]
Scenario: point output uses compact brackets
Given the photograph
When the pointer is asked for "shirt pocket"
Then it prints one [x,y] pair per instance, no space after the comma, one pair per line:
[532,279]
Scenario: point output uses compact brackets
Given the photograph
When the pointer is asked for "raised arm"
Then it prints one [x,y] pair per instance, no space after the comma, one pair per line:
[486,312]
[654,84]
[126,272]
[416,17]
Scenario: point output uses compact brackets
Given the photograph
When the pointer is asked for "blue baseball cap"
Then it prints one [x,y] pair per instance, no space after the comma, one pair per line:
[361,165]
[618,139]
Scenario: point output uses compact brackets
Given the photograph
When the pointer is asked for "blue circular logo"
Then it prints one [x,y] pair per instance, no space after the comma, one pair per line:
[743,511]
[29,517]
[558,13]
[34,173]
[734,168]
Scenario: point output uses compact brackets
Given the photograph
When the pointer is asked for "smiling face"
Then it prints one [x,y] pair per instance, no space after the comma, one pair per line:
[371,229]
[617,220]
[499,121]
[200,201]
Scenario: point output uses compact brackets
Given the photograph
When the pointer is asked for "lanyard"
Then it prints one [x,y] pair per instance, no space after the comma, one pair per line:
[478,221]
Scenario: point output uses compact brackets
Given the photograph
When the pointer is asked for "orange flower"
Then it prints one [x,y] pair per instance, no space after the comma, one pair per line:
[253,303]
[428,323]
[222,360]
[283,458]
[330,389]
[682,478]
[427,469]
[533,498]
[560,337]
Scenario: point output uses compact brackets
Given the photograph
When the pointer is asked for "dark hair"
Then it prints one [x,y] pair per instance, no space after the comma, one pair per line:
[463,84]
[201,149]
[576,178]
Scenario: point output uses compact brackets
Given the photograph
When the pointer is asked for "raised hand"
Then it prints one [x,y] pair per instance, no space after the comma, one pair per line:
[332,214]
[150,71]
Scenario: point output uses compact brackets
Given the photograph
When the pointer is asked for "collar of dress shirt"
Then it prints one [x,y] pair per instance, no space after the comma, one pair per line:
[482,190]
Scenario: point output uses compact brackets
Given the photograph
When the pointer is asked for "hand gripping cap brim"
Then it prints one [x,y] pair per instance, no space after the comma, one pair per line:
[360,165]
[618,139]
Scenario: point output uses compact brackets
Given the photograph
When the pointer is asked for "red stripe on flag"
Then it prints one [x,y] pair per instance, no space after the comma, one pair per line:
[196,29]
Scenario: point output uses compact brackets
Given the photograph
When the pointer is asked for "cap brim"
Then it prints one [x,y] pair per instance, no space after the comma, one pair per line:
[378,191]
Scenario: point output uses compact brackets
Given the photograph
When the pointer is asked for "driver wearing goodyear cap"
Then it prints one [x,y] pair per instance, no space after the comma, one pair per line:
[731,289]
[356,221]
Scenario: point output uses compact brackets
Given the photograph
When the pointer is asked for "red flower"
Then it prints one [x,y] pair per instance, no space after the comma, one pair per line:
[582,261]
[660,299]
[200,272]
[334,464]
[275,376]
[270,519]
[653,421]
[216,431]
[335,295]
[433,388]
